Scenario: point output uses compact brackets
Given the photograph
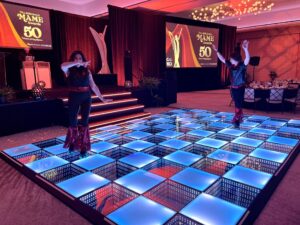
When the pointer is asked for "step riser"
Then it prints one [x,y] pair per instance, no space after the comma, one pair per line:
[112,106]
[115,114]
[95,99]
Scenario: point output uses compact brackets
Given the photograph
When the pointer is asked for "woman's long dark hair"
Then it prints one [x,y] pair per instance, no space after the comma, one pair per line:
[77,52]
[78,70]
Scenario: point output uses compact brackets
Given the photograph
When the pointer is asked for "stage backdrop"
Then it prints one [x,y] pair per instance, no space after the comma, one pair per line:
[279,51]
[141,33]
[144,33]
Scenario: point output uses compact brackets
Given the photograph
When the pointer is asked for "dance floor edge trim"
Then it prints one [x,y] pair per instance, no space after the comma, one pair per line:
[96,217]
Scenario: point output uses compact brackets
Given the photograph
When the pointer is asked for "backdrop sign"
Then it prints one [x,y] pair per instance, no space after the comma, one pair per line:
[22,27]
[190,46]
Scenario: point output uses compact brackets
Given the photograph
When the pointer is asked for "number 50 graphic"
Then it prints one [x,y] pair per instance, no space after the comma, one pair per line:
[32,32]
[204,51]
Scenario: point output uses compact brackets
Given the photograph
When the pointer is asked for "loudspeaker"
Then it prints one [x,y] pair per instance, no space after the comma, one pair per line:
[254,60]
[170,80]
[128,66]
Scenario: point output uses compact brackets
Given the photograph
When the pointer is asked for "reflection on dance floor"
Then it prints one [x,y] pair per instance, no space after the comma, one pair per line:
[180,167]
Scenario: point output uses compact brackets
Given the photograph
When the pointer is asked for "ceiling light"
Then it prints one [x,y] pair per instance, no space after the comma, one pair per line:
[232,8]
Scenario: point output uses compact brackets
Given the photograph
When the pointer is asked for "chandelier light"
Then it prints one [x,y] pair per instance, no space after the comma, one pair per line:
[232,8]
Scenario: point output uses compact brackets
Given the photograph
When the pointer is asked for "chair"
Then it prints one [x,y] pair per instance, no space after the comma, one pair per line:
[249,96]
[294,101]
[276,97]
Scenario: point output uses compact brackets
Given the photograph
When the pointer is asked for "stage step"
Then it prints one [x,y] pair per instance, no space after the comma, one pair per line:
[114,104]
[123,108]
[119,120]
[114,96]
[109,113]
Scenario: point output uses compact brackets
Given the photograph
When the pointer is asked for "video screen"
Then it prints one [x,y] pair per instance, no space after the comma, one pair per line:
[24,27]
[190,46]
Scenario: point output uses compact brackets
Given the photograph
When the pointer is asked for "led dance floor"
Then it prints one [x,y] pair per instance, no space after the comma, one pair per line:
[185,166]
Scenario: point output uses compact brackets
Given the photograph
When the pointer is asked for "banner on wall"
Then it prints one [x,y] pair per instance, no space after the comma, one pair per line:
[190,46]
[24,27]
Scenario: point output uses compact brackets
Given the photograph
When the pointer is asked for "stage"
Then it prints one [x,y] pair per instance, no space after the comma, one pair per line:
[164,169]
[24,113]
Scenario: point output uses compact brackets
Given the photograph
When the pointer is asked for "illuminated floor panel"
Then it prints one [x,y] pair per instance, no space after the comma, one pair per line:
[185,166]
[207,209]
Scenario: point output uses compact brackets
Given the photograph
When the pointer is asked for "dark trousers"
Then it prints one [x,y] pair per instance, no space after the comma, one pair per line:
[79,102]
[238,98]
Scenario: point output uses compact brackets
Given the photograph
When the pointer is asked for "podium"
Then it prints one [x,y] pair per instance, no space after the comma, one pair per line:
[35,71]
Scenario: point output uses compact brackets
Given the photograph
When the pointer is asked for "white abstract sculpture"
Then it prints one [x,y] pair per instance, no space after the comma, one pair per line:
[99,38]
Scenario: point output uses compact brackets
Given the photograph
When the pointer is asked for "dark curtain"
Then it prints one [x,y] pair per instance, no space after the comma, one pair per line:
[141,33]
[228,38]
[71,32]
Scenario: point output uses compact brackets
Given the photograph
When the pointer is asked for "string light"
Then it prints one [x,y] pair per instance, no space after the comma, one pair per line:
[231,8]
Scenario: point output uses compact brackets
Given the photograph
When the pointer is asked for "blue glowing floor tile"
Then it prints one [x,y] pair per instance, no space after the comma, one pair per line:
[220,125]
[226,156]
[273,123]
[164,126]
[140,181]
[141,211]
[62,138]
[249,124]
[110,128]
[138,159]
[210,119]
[170,134]
[162,120]
[138,127]
[198,110]
[201,133]
[207,209]
[45,164]
[248,176]
[105,136]
[269,155]
[194,178]
[204,114]
[56,149]
[290,130]
[177,111]
[247,141]
[93,162]
[138,145]
[102,146]
[175,144]
[183,158]
[295,123]
[232,132]
[20,150]
[258,118]
[212,143]
[185,120]
[224,114]
[138,135]
[262,131]
[193,126]
[83,184]
[283,140]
